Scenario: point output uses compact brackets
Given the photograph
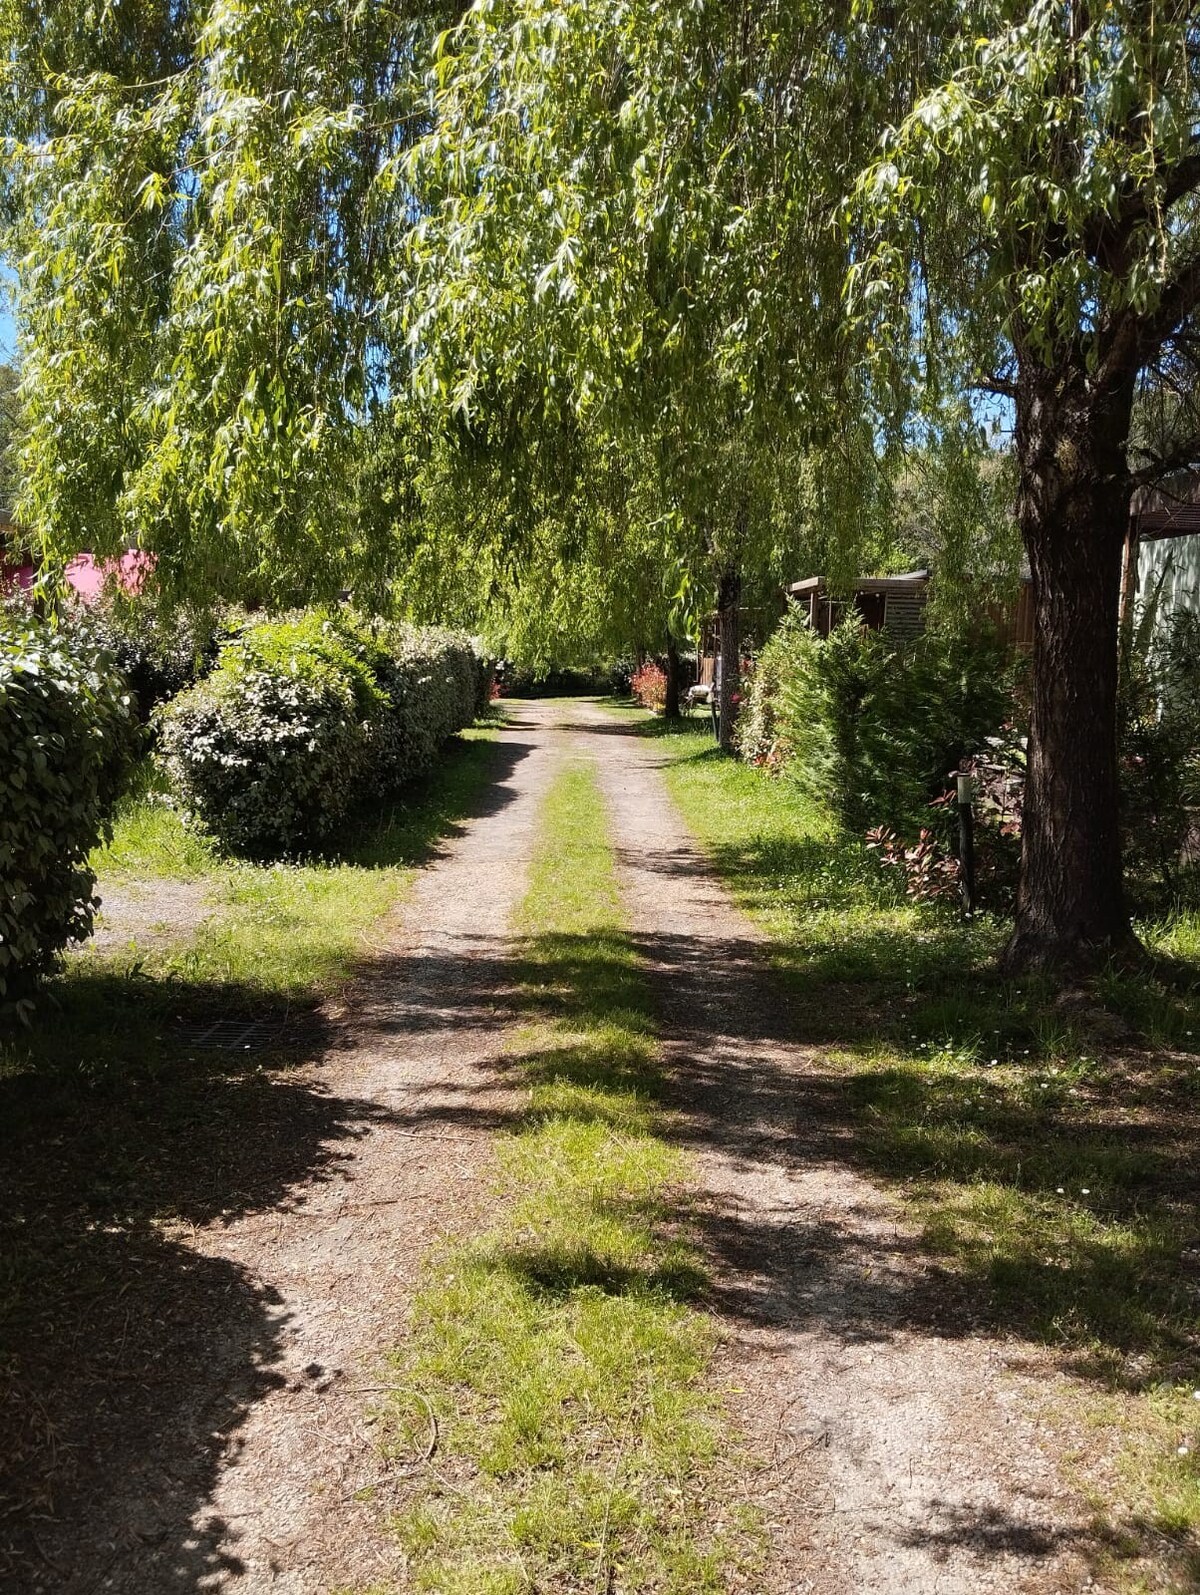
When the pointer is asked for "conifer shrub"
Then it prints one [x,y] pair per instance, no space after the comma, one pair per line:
[68,736]
[869,724]
[308,716]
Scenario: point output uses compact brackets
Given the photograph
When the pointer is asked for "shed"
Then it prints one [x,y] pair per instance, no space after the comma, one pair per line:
[895,604]
[1162,554]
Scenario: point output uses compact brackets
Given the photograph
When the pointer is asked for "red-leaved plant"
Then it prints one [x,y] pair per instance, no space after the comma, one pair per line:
[930,872]
[649,686]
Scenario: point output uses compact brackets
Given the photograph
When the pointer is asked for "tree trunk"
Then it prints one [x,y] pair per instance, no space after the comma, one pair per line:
[671,705]
[729,597]
[1073,509]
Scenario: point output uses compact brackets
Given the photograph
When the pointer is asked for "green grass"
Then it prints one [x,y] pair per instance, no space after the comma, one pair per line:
[256,941]
[559,1351]
[1047,1149]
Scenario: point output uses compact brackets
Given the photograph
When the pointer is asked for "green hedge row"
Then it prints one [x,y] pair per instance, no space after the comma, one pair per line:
[870,725]
[68,736]
[158,654]
[303,718]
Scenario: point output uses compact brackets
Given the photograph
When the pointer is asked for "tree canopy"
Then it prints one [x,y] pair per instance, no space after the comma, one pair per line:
[206,244]
[288,272]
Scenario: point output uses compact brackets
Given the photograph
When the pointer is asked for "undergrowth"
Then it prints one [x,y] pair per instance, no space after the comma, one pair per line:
[577,1440]
[1046,1145]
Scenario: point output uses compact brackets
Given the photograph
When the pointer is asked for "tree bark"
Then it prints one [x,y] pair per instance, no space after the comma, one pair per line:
[729,598]
[671,705]
[1073,510]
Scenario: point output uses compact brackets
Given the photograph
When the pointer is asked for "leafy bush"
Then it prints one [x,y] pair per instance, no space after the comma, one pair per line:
[761,737]
[69,737]
[648,685]
[620,678]
[432,685]
[158,654]
[930,867]
[870,725]
[304,717]
[521,681]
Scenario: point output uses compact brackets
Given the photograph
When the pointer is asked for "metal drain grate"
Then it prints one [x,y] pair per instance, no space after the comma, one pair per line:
[225,1035]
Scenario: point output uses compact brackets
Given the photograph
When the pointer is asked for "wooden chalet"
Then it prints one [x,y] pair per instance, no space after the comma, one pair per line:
[894,604]
[1162,551]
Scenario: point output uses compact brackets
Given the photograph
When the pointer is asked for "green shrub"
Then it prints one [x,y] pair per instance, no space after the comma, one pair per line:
[1160,749]
[432,683]
[870,725]
[305,717]
[67,741]
[158,654]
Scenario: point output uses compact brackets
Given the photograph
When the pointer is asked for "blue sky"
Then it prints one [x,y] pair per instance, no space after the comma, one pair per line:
[8,337]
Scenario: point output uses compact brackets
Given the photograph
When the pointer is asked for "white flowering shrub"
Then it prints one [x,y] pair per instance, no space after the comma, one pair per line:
[304,719]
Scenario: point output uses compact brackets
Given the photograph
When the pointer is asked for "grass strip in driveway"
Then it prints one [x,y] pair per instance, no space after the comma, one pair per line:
[577,1436]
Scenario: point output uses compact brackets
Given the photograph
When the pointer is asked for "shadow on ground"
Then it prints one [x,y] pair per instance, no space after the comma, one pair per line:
[128,1358]
[131,1360]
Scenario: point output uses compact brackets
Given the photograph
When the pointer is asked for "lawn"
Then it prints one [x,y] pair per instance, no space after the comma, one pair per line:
[1045,1145]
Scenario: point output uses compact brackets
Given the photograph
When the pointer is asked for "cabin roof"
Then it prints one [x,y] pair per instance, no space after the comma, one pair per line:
[911,582]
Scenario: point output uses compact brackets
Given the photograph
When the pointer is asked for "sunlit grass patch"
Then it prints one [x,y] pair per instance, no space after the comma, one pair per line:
[578,1441]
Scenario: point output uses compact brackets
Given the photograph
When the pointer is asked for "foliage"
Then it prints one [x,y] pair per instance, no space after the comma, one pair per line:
[205,243]
[648,684]
[158,653]
[1030,229]
[1037,197]
[930,874]
[1160,745]
[554,681]
[304,718]
[67,731]
[868,725]
[930,867]
[761,736]
[10,416]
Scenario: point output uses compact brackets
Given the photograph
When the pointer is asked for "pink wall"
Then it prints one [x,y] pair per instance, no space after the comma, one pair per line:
[85,574]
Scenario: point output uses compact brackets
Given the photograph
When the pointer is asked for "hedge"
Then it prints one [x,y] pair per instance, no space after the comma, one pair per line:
[304,717]
[870,725]
[159,654]
[68,737]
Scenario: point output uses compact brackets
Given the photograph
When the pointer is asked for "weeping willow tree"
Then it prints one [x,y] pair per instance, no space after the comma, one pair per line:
[628,219]
[252,235]
[1032,228]
[205,256]
[638,201]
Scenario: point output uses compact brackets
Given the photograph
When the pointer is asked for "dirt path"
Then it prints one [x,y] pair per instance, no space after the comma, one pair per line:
[902,1448]
[226,1446]
[224,1443]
